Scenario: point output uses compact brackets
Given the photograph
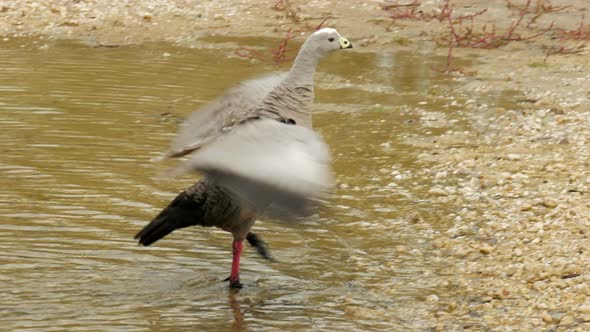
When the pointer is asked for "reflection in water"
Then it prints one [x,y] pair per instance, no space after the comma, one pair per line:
[238,324]
[79,126]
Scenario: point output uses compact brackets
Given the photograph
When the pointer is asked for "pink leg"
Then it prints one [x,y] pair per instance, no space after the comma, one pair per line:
[234,277]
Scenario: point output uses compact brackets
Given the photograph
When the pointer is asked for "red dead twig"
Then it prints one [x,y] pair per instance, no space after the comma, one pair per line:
[562,50]
[279,5]
[445,11]
[469,37]
[522,12]
[396,10]
[463,33]
[541,7]
[244,52]
[290,11]
[321,25]
[277,55]
[280,53]
[293,13]
[514,24]
[580,33]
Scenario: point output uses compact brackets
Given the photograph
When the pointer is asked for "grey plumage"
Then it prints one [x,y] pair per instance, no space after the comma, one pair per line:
[266,152]
[204,125]
[257,152]
[288,102]
[266,97]
[285,167]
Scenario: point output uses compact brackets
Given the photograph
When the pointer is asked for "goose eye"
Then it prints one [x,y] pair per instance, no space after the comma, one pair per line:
[330,39]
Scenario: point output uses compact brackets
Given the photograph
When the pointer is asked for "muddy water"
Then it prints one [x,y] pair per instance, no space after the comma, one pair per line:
[78,127]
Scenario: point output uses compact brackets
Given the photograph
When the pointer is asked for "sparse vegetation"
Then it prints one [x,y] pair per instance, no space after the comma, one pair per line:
[465,31]
[282,52]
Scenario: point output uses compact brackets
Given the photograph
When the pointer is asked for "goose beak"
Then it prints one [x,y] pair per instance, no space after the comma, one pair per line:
[344,43]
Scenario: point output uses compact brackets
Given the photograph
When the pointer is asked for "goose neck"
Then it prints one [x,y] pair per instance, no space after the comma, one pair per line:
[303,67]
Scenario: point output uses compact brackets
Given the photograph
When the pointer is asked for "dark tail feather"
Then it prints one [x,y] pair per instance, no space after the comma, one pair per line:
[155,230]
[256,242]
[182,212]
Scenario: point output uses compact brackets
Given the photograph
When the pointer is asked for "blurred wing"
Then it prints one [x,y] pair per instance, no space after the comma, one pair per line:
[206,124]
[276,168]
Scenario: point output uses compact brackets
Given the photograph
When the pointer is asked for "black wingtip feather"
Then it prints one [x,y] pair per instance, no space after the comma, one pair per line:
[155,230]
[182,212]
[260,246]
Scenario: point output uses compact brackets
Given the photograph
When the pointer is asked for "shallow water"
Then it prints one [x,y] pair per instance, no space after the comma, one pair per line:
[79,126]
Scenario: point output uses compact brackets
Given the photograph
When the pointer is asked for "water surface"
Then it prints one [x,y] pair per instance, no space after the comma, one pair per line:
[78,128]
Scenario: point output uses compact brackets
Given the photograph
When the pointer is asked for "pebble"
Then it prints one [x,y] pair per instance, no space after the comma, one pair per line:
[438,192]
[526,207]
[432,298]
[414,217]
[440,314]
[401,249]
[485,249]
[567,320]
[416,252]
[357,312]
[546,317]
[441,175]
[513,157]
[549,202]
[452,306]
[585,309]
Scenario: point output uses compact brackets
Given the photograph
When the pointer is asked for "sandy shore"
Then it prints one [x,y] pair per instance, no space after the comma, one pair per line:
[518,256]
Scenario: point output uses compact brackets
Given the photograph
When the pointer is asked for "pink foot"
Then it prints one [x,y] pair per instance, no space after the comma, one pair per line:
[234,277]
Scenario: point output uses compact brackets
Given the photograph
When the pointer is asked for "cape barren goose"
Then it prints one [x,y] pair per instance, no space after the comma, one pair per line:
[257,153]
